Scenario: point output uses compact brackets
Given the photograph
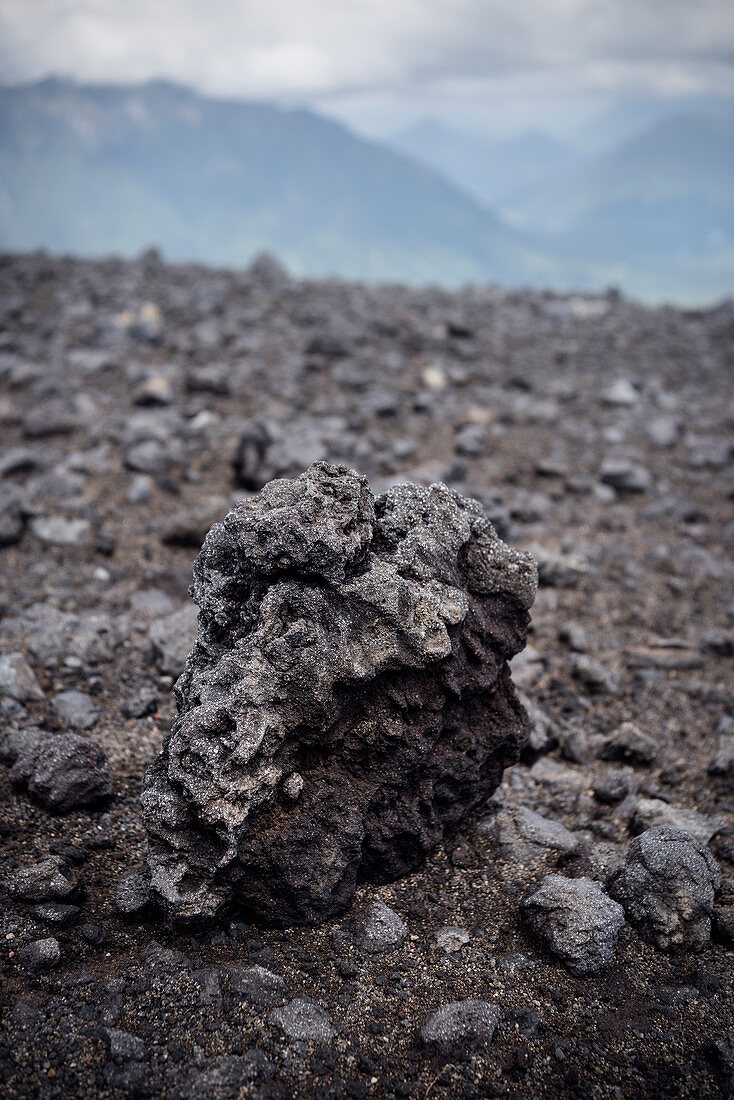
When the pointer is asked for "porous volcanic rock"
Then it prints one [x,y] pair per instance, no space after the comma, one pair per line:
[347,699]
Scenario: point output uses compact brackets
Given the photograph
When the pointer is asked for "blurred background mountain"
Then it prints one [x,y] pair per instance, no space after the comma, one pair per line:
[638,198]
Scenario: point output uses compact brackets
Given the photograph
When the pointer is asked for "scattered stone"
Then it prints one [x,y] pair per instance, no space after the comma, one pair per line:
[156,390]
[621,393]
[451,939]
[386,623]
[189,528]
[649,812]
[51,879]
[595,677]
[132,894]
[62,530]
[379,928]
[172,638]
[18,680]
[63,772]
[577,922]
[304,1022]
[461,1028]
[723,760]
[667,888]
[630,745]
[17,742]
[40,955]
[75,708]
[123,1046]
[256,985]
[523,835]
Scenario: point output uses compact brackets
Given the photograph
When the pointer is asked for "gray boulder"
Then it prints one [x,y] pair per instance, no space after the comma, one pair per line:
[667,887]
[63,772]
[347,700]
[576,921]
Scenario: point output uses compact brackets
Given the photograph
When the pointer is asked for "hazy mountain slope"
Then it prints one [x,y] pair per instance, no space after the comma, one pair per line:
[493,170]
[100,169]
[667,192]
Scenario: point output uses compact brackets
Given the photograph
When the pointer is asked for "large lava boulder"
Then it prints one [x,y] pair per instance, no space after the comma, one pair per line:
[347,699]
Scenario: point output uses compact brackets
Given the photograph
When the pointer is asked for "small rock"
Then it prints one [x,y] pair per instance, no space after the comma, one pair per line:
[124,1047]
[379,928]
[56,914]
[40,955]
[667,888]
[51,879]
[523,835]
[76,708]
[16,742]
[629,744]
[256,985]
[173,638]
[304,1021]
[18,680]
[595,677]
[625,475]
[577,922]
[12,515]
[156,390]
[723,759]
[63,772]
[461,1028]
[61,530]
[451,939]
[132,894]
[649,812]
[621,393]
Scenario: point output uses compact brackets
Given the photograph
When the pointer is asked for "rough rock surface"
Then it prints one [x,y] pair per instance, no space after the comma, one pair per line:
[460,1028]
[348,698]
[63,772]
[576,920]
[667,887]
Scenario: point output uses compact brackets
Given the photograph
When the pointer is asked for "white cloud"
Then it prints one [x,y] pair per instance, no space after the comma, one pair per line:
[340,54]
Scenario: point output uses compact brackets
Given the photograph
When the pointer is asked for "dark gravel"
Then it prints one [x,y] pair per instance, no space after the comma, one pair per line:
[599,435]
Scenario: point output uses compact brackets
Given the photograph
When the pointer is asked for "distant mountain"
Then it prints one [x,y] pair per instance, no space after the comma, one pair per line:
[656,214]
[492,170]
[100,169]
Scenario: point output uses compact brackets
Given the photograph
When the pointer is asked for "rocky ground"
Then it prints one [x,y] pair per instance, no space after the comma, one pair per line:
[139,401]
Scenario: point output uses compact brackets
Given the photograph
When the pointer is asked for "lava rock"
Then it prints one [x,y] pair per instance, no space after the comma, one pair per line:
[256,985]
[40,955]
[304,1021]
[379,928]
[577,922]
[461,1028]
[63,772]
[17,742]
[76,708]
[18,680]
[667,888]
[359,645]
[51,879]
[132,894]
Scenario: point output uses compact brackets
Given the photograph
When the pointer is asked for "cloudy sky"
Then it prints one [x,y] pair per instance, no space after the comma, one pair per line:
[381,63]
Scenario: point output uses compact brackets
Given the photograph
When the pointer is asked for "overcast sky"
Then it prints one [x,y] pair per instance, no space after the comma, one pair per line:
[381,63]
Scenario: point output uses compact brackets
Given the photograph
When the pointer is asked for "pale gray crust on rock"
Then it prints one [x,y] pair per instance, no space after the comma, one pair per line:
[347,699]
